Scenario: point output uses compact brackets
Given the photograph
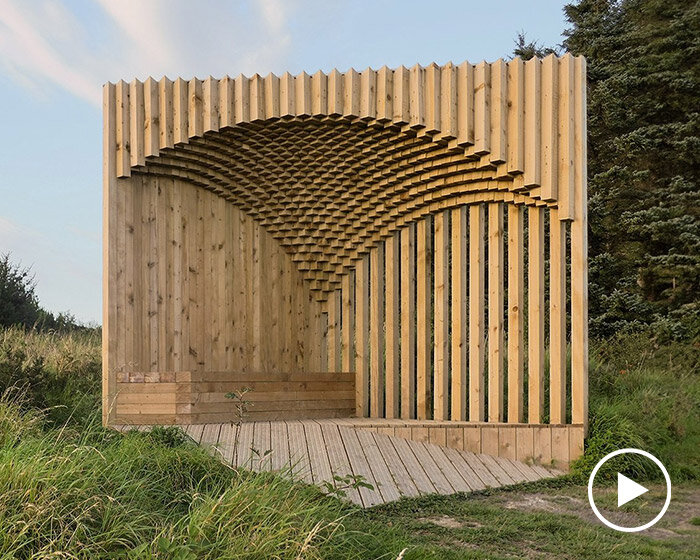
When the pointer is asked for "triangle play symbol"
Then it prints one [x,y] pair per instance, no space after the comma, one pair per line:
[628,489]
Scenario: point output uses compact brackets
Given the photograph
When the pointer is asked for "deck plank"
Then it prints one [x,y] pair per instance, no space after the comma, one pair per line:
[360,467]
[299,452]
[442,485]
[496,470]
[195,432]
[464,468]
[403,480]
[260,458]
[279,443]
[227,442]
[318,453]
[385,482]
[416,471]
[394,466]
[245,442]
[448,469]
[338,457]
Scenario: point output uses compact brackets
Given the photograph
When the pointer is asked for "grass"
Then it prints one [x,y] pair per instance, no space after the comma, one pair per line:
[71,489]
[647,396]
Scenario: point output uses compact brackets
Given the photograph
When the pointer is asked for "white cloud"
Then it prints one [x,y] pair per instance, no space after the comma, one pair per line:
[25,47]
[44,41]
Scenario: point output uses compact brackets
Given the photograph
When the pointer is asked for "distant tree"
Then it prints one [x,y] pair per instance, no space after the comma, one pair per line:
[18,302]
[527,50]
[643,160]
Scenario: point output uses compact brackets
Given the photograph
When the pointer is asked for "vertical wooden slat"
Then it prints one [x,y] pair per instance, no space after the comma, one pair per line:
[166,125]
[302,83]
[550,106]
[162,263]
[376,331]
[532,122]
[351,93]
[477,284]
[257,98]
[210,106]
[579,259]
[287,95]
[448,102]
[392,326]
[385,90]
[368,94]
[465,104]
[110,240]
[258,256]
[408,317]
[151,118]
[196,112]
[417,97]
[362,337]
[432,98]
[458,273]
[227,109]
[333,336]
[335,93]
[319,94]
[516,116]
[441,387]
[180,107]
[272,96]
[242,99]
[516,312]
[348,322]
[495,311]
[566,115]
[499,111]
[535,314]
[122,122]
[482,111]
[557,318]
[423,318]
[402,94]
[136,128]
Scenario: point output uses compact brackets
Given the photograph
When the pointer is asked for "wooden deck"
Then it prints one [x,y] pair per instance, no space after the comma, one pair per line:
[396,467]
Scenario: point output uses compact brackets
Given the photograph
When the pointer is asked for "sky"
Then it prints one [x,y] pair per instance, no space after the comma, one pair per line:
[55,55]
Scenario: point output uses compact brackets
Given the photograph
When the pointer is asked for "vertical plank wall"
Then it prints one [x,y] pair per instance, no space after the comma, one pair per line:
[450,318]
[204,288]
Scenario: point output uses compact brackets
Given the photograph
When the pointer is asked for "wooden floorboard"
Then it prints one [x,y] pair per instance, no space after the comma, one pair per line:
[315,451]
[340,464]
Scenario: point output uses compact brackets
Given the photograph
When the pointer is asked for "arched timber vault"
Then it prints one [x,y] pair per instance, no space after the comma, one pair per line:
[348,222]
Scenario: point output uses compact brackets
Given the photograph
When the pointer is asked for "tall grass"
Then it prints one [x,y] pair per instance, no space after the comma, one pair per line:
[59,372]
[95,493]
[644,395]
[72,489]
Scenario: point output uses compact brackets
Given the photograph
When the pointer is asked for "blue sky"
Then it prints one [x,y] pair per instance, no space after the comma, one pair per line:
[55,55]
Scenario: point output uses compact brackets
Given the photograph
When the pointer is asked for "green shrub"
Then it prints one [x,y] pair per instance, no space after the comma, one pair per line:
[57,371]
[644,395]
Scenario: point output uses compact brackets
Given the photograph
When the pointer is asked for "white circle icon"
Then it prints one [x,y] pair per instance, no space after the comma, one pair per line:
[630,488]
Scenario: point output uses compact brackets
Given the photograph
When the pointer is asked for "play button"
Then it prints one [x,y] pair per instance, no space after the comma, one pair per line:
[628,490]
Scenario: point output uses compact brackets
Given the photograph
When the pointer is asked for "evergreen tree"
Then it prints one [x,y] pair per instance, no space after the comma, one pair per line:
[18,302]
[643,152]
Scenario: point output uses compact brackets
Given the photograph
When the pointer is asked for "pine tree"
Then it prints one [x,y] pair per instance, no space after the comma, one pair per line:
[644,147]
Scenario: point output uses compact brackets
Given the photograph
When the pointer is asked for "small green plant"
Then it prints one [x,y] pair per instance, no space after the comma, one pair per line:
[340,485]
[241,404]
